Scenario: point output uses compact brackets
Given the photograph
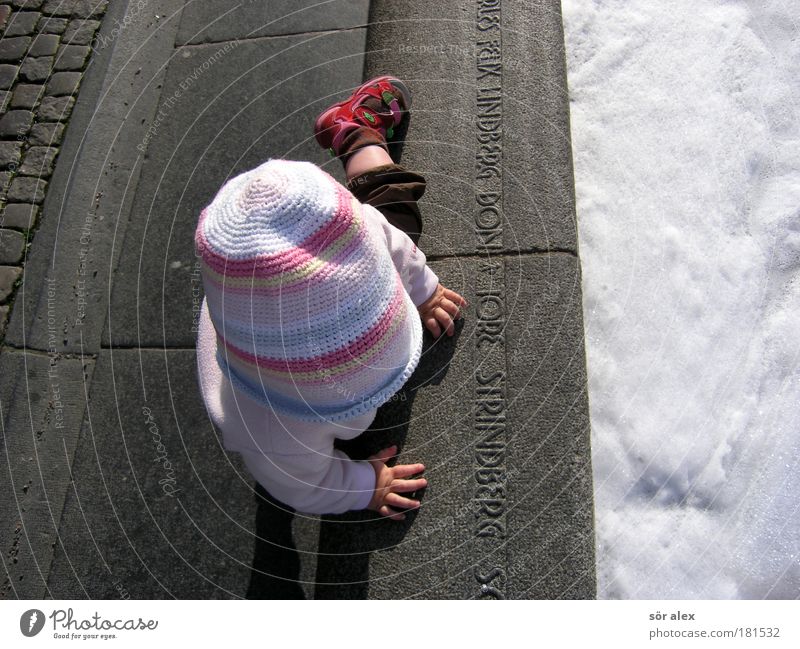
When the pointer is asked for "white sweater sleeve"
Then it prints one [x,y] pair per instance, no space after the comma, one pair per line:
[418,279]
[314,483]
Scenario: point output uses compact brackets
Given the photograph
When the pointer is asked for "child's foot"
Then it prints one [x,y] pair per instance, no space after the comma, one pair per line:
[379,105]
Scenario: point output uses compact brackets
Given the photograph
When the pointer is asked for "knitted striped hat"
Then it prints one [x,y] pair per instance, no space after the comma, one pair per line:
[311,316]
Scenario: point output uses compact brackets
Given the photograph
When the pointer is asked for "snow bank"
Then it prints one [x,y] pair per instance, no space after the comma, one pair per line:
[686,142]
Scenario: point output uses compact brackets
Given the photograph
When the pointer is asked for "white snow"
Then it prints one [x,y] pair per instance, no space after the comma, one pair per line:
[686,143]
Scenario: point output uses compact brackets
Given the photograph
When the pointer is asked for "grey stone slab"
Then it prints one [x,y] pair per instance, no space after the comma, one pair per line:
[8,73]
[71,57]
[499,416]
[257,101]
[63,83]
[27,190]
[46,134]
[12,246]
[45,45]
[513,79]
[38,161]
[5,12]
[27,4]
[4,309]
[219,20]
[43,401]
[8,276]
[15,123]
[5,181]
[19,215]
[89,197]
[5,96]
[13,49]
[55,109]
[26,95]
[37,69]
[22,23]
[80,32]
[79,8]
[168,512]
[10,154]
[52,25]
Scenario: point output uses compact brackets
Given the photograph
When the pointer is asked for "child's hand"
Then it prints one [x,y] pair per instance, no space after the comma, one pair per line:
[440,309]
[391,481]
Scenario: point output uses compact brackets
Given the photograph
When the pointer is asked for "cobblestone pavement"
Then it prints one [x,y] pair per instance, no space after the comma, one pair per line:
[45,48]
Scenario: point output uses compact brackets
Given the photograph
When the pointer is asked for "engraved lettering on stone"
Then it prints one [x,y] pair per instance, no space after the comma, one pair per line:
[489,413]
[488,589]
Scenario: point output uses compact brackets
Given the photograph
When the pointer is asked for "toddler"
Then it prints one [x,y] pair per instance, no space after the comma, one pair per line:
[315,296]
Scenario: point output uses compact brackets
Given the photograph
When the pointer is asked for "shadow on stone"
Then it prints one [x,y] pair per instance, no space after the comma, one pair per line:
[276,564]
[347,541]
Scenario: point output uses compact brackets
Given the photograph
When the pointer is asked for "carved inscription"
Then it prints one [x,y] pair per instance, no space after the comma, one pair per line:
[490,374]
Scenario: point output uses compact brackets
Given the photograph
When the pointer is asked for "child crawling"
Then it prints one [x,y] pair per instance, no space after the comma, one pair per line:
[315,296]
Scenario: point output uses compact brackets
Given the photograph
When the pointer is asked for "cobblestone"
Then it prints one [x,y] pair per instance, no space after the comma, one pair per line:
[36,69]
[27,190]
[79,8]
[80,32]
[71,57]
[44,45]
[46,133]
[10,153]
[7,75]
[8,275]
[27,4]
[44,49]
[21,216]
[55,109]
[12,246]
[22,23]
[26,95]
[39,161]
[52,25]
[5,12]
[3,319]
[13,49]
[15,123]
[63,83]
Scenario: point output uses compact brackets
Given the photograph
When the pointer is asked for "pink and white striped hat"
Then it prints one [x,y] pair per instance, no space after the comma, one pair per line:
[311,316]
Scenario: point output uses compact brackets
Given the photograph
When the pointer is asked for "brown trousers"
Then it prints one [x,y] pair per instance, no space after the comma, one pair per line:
[394,192]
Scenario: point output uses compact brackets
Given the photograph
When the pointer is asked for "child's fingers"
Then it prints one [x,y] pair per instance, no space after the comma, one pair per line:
[400,502]
[407,470]
[451,307]
[433,326]
[445,320]
[454,297]
[390,513]
[406,486]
